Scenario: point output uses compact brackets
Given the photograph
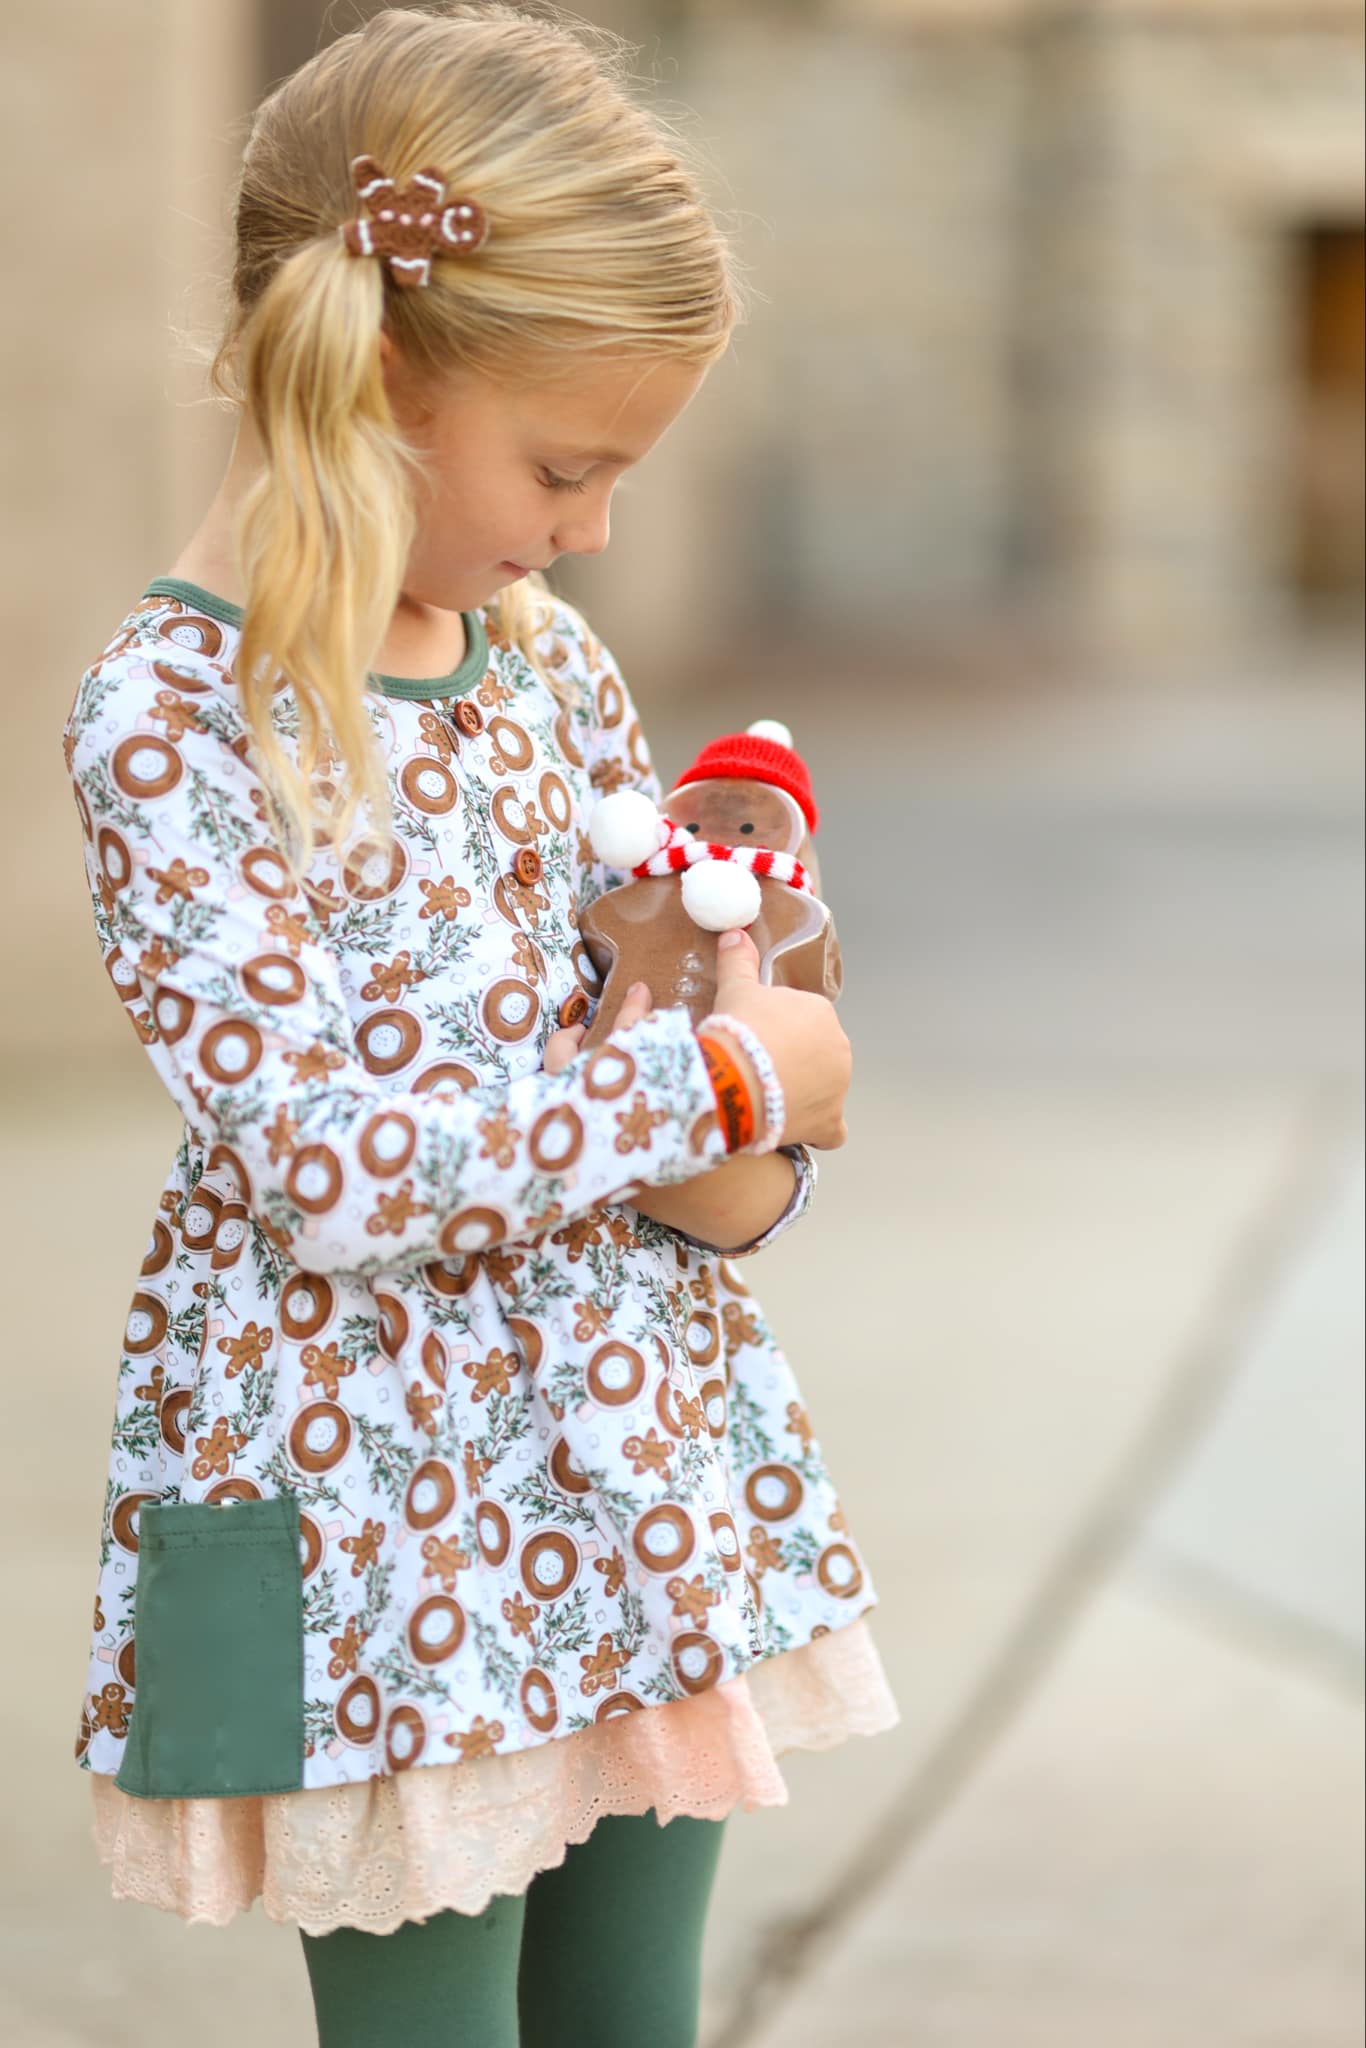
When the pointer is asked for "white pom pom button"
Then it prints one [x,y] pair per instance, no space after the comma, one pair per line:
[626,828]
[718,894]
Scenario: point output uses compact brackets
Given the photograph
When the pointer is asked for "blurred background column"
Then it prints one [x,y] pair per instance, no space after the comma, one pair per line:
[122,129]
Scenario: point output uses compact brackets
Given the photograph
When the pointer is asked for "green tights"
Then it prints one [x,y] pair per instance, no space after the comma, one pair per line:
[603,1951]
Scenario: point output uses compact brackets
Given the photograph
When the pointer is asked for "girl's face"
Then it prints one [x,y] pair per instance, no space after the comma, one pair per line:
[518,476]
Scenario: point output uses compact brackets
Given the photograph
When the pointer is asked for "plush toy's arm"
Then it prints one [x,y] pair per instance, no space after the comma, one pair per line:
[815,964]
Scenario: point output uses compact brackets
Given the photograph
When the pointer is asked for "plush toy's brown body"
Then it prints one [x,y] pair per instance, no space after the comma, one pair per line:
[641,931]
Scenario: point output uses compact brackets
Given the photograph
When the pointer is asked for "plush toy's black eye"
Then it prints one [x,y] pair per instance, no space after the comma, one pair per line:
[694,828]
[746,828]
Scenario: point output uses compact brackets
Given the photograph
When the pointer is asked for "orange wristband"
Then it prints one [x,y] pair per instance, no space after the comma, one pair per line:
[732,1095]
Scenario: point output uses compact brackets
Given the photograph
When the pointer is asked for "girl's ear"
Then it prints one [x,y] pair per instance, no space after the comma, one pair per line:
[404,402]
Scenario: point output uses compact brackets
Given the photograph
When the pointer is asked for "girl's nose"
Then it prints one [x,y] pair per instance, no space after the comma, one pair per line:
[587,534]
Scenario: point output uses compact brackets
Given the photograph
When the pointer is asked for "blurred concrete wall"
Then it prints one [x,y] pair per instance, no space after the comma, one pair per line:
[120,129]
[1034,312]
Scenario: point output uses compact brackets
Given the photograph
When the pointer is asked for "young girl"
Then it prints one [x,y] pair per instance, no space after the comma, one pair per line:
[467,1553]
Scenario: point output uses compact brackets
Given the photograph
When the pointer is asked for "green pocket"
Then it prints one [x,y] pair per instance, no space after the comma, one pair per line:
[218,1705]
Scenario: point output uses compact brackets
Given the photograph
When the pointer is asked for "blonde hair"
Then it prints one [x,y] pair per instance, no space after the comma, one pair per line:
[600,242]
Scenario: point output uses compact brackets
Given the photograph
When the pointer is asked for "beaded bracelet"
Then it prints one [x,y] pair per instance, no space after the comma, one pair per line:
[775,1104]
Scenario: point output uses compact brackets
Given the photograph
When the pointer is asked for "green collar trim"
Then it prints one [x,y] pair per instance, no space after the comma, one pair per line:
[462,679]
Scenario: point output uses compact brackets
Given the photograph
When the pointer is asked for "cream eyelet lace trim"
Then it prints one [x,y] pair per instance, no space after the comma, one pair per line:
[449,1836]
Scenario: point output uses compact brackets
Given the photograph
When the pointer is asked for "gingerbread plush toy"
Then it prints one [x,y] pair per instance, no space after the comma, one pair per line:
[732,846]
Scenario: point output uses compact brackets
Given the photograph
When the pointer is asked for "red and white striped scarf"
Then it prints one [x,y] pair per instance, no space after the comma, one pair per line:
[682,849]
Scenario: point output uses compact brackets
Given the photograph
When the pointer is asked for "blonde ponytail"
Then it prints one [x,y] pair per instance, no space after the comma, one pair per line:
[601,242]
[323,533]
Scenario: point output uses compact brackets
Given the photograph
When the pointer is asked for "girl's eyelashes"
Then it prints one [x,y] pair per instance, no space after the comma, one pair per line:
[563,483]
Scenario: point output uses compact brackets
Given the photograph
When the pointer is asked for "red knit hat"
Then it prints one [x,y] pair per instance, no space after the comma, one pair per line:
[753,758]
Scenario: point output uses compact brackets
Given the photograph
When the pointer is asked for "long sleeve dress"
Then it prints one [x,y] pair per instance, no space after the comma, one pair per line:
[451,1502]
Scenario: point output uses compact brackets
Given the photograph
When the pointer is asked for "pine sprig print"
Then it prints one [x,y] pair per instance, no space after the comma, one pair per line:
[543,1502]
[359,1339]
[479,847]
[319,1725]
[543,1283]
[693,1466]
[450,946]
[800,1550]
[606,1263]
[617,1503]
[257,1402]
[366,929]
[214,820]
[776,1636]
[377,1577]
[398,1674]
[632,1627]
[417,828]
[497,1665]
[508,1420]
[464,1031]
[108,802]
[321,1613]
[662,1685]
[565,1627]
[750,1442]
[112,1490]
[271,1266]
[313,1490]
[95,685]
[185,1328]
[563,1384]
[389,1461]
[138,1431]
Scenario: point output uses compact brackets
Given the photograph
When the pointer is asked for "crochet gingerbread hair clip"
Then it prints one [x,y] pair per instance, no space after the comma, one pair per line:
[408,227]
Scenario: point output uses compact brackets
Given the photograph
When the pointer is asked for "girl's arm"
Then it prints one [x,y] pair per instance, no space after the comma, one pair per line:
[736,1207]
[745,1201]
[237,1000]
[740,1205]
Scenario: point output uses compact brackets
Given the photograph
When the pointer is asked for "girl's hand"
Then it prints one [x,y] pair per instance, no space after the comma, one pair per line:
[801,1035]
[799,1031]
[562,1046]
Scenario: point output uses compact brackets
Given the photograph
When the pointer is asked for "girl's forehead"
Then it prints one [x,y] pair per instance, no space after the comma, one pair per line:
[611,412]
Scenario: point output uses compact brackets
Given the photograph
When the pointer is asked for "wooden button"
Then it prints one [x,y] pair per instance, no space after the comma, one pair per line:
[574,1008]
[527,865]
[469,717]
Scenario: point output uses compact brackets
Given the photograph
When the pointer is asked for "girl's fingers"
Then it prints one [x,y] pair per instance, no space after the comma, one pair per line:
[561,1047]
[638,1003]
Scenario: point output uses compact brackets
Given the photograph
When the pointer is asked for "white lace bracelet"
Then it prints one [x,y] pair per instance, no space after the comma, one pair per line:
[775,1103]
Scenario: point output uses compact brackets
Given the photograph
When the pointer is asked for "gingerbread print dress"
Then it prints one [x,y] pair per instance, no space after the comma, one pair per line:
[451,1502]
